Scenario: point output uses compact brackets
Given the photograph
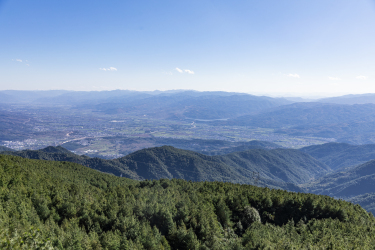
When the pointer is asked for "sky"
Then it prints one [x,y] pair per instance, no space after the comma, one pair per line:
[275,47]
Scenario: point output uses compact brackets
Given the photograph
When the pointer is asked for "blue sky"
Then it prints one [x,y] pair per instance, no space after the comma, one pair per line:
[286,47]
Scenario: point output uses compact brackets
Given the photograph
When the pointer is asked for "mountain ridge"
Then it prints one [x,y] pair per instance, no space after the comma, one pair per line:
[267,167]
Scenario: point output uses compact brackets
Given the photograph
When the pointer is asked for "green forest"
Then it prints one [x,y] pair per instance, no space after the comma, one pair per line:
[64,205]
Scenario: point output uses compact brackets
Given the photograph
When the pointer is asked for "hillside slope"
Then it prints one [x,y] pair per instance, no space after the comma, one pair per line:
[169,162]
[348,183]
[367,201]
[2,148]
[61,154]
[244,146]
[63,205]
[339,155]
[276,168]
[284,165]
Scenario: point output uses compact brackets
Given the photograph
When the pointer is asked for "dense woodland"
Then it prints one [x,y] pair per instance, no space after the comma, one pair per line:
[63,205]
[334,169]
[276,168]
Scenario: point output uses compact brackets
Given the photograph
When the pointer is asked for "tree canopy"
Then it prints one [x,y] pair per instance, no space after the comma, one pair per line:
[63,205]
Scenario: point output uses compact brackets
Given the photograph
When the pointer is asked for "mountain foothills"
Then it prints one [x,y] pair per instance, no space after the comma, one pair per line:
[287,169]
[348,183]
[2,148]
[203,146]
[340,155]
[200,192]
[63,205]
[276,168]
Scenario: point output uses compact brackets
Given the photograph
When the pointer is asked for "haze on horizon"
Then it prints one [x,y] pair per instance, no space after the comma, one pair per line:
[277,47]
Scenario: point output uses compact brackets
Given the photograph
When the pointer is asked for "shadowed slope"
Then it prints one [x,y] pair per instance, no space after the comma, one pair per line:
[339,155]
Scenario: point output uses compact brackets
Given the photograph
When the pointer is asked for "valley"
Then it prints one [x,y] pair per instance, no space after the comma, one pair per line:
[310,147]
[135,121]
[187,125]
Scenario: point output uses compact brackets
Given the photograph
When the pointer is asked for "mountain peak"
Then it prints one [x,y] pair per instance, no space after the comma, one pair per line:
[58,149]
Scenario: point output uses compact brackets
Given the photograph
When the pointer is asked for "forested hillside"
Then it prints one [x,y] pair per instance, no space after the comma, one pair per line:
[61,154]
[286,169]
[346,184]
[339,155]
[244,146]
[275,168]
[367,201]
[285,165]
[64,205]
[2,148]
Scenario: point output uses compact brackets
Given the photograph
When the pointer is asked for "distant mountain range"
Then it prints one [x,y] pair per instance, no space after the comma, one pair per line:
[75,97]
[345,123]
[171,105]
[350,99]
[344,119]
[186,106]
[308,114]
[344,169]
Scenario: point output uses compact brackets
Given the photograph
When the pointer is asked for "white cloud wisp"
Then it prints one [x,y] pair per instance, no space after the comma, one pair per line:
[108,69]
[189,71]
[185,70]
[294,75]
[362,77]
[334,78]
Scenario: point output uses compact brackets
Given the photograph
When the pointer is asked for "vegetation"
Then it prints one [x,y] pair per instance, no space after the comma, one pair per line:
[244,146]
[285,165]
[61,154]
[64,205]
[367,201]
[2,148]
[348,183]
[341,155]
[275,168]
[356,184]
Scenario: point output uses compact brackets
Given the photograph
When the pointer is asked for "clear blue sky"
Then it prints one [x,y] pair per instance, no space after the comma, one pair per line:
[268,46]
